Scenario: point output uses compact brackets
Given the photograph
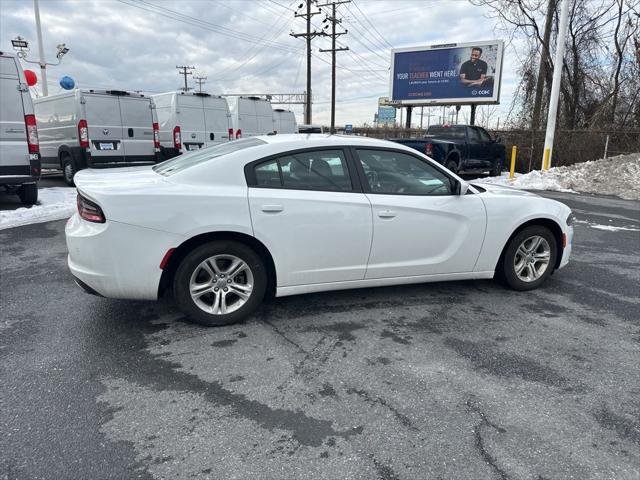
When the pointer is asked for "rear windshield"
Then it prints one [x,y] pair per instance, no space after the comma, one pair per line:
[197,157]
[453,133]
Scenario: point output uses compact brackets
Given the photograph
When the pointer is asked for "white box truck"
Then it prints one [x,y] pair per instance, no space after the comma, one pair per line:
[190,121]
[96,129]
[251,116]
[284,121]
[19,150]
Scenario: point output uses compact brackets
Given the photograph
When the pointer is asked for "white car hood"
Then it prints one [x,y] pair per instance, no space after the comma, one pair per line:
[503,190]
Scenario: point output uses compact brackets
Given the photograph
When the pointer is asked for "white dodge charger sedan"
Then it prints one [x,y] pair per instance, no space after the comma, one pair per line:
[287,214]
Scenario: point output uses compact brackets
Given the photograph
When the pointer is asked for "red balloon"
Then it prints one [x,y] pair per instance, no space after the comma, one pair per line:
[31,77]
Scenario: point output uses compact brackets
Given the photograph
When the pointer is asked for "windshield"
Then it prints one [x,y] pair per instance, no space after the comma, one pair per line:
[197,157]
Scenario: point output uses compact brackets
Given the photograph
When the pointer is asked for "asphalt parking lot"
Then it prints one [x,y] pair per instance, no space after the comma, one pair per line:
[462,380]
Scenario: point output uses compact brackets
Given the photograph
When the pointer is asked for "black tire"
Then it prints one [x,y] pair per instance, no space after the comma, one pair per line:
[28,193]
[68,170]
[190,263]
[506,270]
[496,169]
[452,166]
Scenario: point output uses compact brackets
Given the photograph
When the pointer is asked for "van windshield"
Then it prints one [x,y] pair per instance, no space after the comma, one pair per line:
[197,157]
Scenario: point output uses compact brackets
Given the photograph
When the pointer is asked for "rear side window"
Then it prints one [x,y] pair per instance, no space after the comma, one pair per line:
[323,170]
[187,160]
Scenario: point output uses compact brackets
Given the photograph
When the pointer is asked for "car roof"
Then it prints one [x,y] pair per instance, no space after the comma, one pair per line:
[294,141]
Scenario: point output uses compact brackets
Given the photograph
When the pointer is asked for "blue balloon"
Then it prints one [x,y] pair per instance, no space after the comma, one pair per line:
[67,83]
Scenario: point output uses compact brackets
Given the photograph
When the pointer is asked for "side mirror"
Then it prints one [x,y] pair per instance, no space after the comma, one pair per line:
[461,188]
[498,140]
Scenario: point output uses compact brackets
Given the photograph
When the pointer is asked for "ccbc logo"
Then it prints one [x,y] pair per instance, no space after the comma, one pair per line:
[481,92]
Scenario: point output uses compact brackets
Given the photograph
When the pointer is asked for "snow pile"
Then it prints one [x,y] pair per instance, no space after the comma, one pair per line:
[618,176]
[54,203]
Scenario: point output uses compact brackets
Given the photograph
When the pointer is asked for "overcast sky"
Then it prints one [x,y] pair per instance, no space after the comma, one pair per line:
[244,46]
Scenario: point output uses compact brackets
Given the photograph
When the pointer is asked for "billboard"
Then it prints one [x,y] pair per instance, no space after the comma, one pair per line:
[456,73]
[386,113]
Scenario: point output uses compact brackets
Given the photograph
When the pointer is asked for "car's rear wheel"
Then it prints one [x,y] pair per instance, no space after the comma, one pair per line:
[220,283]
[529,258]
[28,193]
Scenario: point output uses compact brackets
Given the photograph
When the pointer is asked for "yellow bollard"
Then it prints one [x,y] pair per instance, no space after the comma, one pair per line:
[514,151]
[545,161]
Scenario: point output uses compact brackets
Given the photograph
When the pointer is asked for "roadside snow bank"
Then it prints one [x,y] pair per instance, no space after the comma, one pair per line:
[54,203]
[618,176]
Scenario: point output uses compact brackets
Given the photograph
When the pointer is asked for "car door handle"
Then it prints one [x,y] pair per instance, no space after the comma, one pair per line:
[386,214]
[272,208]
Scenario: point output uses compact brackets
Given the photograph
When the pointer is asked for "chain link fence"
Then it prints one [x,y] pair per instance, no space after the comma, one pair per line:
[570,146]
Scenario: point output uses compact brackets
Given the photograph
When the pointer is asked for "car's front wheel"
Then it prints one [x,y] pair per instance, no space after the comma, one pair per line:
[496,169]
[529,258]
[220,283]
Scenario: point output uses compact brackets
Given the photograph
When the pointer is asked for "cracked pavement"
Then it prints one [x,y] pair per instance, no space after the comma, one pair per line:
[461,380]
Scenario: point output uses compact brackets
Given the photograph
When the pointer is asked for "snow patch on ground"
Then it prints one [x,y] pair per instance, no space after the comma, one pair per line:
[54,203]
[619,176]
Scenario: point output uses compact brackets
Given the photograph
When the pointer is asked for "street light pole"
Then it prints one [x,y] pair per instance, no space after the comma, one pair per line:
[43,64]
[555,86]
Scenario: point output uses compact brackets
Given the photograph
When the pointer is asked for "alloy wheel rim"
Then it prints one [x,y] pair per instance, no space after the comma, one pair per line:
[532,258]
[221,284]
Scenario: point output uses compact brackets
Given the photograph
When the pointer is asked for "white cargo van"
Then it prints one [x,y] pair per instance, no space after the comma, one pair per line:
[190,121]
[284,121]
[96,129]
[251,116]
[19,151]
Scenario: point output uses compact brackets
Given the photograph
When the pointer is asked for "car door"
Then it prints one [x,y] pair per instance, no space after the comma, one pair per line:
[476,148]
[420,226]
[487,146]
[314,220]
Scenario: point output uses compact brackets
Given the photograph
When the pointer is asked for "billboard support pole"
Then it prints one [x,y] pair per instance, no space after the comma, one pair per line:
[409,110]
[473,114]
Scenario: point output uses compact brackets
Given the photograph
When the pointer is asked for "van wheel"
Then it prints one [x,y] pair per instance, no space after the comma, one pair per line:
[220,283]
[28,193]
[68,171]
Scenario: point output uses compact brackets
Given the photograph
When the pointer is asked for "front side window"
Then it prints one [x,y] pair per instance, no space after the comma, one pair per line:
[390,172]
[474,136]
[484,136]
[324,170]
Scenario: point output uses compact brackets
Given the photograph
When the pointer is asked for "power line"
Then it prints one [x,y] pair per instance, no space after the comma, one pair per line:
[200,81]
[372,25]
[206,25]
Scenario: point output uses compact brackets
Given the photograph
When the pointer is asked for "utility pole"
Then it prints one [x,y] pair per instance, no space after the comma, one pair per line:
[182,70]
[555,86]
[333,51]
[308,35]
[200,81]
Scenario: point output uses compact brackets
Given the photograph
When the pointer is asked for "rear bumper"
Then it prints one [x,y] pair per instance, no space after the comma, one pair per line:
[117,260]
[19,174]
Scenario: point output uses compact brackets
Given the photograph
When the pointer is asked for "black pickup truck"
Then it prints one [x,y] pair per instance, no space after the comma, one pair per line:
[460,148]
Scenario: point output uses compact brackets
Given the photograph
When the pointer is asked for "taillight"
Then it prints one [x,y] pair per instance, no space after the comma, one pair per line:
[230,134]
[239,133]
[83,133]
[156,136]
[90,211]
[177,138]
[428,148]
[32,133]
